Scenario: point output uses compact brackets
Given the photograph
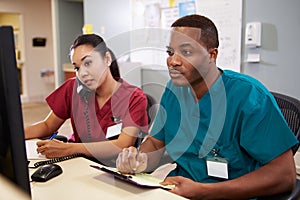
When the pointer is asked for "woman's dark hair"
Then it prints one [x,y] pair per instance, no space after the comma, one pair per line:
[99,45]
[114,66]
[209,32]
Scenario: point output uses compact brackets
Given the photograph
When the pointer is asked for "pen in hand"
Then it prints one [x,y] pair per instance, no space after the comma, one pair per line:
[139,141]
[53,135]
[51,138]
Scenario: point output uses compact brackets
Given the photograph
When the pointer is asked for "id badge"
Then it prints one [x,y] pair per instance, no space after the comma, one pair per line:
[113,130]
[217,167]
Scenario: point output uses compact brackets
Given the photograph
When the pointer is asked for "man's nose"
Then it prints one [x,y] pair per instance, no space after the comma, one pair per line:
[174,60]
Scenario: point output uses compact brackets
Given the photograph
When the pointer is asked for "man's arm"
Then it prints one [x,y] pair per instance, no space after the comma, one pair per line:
[277,176]
[154,149]
[132,161]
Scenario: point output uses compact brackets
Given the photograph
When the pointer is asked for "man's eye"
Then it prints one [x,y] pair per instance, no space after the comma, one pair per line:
[186,52]
[170,52]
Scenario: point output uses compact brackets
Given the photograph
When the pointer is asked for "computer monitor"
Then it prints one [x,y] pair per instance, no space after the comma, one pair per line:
[13,159]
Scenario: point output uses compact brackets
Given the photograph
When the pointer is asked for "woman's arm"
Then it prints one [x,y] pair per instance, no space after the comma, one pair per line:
[44,128]
[111,148]
[100,150]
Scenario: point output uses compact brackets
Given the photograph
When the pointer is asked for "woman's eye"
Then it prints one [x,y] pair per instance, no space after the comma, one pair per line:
[76,68]
[87,63]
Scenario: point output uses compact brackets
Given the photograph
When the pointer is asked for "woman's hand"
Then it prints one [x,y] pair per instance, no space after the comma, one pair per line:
[52,148]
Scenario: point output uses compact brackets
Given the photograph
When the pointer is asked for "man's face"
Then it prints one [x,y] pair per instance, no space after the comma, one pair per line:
[188,61]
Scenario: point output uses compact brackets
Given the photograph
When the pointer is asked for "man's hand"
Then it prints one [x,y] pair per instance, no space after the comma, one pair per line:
[130,161]
[185,187]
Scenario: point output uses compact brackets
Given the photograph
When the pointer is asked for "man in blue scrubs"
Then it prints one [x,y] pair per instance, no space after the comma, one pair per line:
[223,129]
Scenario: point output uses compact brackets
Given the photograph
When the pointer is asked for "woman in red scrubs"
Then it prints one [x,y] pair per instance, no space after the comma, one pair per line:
[107,114]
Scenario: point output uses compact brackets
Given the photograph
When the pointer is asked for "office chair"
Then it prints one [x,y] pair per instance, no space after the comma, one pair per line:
[151,109]
[290,108]
[151,112]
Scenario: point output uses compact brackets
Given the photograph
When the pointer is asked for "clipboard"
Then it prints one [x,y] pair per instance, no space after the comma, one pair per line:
[141,180]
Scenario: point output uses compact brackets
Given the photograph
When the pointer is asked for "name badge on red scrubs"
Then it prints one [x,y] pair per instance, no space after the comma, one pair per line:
[113,130]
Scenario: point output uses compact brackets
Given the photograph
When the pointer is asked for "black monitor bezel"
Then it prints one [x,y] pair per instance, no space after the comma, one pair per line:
[13,159]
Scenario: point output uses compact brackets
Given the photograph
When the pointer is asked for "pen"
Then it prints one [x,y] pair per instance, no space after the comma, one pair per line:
[53,135]
[139,143]
[138,147]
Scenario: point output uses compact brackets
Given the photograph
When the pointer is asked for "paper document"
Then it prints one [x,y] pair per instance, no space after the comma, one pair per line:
[163,171]
[31,152]
[141,179]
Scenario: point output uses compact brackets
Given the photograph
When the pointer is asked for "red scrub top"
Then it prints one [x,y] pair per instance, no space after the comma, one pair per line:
[127,106]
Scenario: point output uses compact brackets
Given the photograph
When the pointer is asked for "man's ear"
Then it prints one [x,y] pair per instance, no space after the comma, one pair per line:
[213,54]
[107,58]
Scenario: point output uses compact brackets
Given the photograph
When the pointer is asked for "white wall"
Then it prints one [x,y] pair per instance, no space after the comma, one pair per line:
[68,24]
[112,21]
[279,69]
[36,17]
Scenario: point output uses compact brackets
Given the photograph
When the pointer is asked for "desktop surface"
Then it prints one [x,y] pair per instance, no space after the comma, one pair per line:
[8,190]
[80,181]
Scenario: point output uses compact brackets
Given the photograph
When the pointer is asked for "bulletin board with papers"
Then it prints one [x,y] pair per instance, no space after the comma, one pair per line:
[226,14]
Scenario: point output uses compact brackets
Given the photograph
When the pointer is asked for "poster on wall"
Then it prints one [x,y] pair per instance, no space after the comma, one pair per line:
[227,16]
[148,37]
[151,21]
[186,8]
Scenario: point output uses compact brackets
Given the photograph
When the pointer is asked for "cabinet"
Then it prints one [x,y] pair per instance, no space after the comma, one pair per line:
[68,71]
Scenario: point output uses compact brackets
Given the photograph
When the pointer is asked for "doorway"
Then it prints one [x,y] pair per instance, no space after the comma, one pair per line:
[14,20]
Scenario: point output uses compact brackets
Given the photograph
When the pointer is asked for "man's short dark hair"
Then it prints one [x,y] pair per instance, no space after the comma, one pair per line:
[209,32]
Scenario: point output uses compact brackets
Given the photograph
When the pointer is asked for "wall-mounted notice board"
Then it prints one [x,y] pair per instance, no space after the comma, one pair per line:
[227,16]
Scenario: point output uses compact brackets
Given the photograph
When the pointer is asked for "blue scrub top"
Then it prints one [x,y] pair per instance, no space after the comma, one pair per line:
[238,118]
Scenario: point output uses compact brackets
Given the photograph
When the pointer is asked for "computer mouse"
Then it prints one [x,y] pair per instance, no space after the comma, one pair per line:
[46,172]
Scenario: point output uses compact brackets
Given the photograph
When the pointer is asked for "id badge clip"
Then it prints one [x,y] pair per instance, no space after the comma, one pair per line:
[217,166]
[116,129]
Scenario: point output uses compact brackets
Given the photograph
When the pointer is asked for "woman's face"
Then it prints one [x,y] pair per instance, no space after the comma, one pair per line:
[91,67]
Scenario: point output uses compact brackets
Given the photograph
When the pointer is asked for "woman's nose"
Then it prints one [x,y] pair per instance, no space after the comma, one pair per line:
[82,72]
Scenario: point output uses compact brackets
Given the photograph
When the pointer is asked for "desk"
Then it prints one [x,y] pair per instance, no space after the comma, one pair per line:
[10,191]
[80,181]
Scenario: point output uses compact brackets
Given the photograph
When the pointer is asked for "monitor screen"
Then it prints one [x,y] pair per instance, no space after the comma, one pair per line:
[13,159]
